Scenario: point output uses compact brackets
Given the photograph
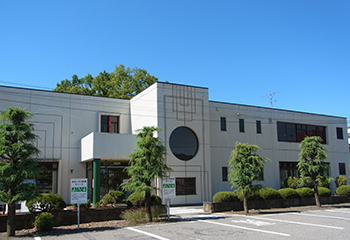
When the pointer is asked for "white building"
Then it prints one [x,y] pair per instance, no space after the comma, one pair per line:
[91,137]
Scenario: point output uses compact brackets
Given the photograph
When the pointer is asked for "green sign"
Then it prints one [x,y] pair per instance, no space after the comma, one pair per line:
[78,189]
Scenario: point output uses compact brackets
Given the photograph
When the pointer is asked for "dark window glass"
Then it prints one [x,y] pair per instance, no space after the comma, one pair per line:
[185,186]
[114,124]
[258,126]
[340,133]
[291,132]
[241,125]
[342,169]
[224,174]
[223,123]
[287,169]
[183,143]
[104,123]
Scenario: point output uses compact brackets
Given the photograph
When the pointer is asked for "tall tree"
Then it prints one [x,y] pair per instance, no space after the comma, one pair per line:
[245,168]
[16,149]
[121,83]
[311,163]
[147,163]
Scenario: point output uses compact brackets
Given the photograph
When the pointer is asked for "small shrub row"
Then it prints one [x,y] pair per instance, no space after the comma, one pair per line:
[112,197]
[46,202]
[270,193]
[343,190]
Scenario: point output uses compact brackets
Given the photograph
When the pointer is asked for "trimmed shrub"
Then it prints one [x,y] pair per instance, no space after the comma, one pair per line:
[305,192]
[225,197]
[44,221]
[137,199]
[288,193]
[112,197]
[324,192]
[83,206]
[46,202]
[252,196]
[269,193]
[291,182]
[340,181]
[343,190]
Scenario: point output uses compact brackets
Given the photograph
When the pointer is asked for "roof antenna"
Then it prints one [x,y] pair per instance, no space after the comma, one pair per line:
[271,95]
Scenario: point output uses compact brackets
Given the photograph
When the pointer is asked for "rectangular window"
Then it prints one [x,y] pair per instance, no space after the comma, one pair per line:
[342,169]
[241,125]
[292,132]
[287,169]
[340,133]
[185,186]
[224,174]
[109,124]
[223,123]
[258,126]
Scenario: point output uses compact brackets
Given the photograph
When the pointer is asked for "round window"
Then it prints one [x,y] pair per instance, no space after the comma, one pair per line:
[183,143]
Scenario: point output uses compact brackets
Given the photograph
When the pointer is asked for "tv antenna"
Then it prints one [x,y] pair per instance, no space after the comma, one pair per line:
[271,95]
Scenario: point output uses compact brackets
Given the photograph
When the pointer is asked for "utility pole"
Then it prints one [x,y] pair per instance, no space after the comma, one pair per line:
[271,95]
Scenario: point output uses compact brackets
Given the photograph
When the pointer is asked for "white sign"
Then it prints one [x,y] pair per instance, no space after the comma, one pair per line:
[78,190]
[169,187]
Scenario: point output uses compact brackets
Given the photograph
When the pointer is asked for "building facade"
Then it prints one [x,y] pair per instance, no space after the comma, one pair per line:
[91,137]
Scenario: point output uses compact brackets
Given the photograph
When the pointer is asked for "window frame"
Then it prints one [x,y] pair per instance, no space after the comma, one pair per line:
[258,126]
[110,123]
[223,125]
[342,168]
[224,174]
[186,188]
[340,134]
[241,125]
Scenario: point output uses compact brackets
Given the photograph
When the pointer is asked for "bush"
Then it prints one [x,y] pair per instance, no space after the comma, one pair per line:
[252,196]
[43,222]
[138,199]
[343,190]
[291,182]
[83,206]
[269,193]
[112,197]
[305,192]
[46,202]
[288,193]
[138,215]
[324,192]
[225,197]
[340,181]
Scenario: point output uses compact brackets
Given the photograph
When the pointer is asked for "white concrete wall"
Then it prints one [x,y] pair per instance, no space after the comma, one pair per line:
[223,142]
[107,146]
[61,121]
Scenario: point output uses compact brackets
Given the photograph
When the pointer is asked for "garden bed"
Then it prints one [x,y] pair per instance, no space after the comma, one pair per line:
[211,207]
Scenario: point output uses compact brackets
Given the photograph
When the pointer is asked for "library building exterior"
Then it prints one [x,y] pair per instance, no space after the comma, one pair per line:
[91,137]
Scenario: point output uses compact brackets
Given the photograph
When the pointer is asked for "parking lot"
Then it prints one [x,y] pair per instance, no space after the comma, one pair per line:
[329,223]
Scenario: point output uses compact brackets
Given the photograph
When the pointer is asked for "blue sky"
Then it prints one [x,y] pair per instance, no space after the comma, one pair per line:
[240,50]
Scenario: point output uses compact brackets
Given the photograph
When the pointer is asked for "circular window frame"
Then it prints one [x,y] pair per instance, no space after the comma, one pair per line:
[176,151]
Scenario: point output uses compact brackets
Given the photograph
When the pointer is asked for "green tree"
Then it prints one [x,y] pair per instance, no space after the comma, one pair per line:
[147,163]
[16,149]
[121,83]
[311,163]
[245,168]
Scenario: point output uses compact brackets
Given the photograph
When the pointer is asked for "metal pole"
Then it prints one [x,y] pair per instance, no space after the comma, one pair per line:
[78,214]
[168,209]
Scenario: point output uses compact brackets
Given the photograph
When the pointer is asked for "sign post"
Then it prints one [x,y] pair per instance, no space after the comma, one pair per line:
[78,194]
[169,191]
